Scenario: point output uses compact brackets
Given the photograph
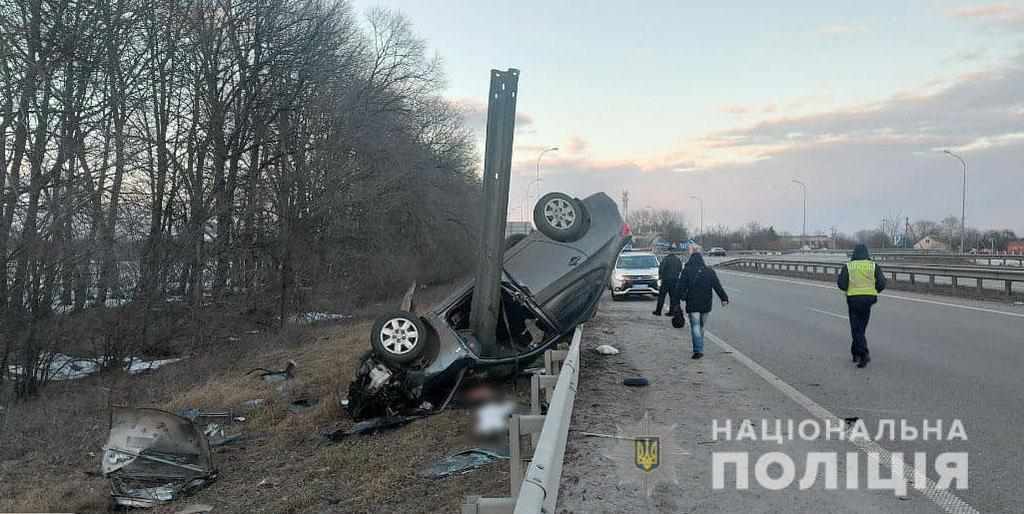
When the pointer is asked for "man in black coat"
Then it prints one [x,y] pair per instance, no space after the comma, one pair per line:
[862,280]
[696,283]
[668,274]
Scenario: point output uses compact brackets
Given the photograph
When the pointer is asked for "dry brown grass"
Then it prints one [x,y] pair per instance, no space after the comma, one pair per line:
[50,444]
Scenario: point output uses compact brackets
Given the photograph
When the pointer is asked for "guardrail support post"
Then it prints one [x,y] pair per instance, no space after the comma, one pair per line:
[537,383]
[553,361]
[480,505]
[955,284]
[931,280]
[517,427]
[1009,288]
[981,288]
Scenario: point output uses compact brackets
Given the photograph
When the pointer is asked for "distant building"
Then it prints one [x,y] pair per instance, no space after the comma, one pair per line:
[930,243]
[518,227]
[1016,247]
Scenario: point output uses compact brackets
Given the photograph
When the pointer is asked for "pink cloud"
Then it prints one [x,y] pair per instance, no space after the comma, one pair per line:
[996,14]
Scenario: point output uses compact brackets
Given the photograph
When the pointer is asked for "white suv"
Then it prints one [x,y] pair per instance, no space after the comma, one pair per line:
[635,273]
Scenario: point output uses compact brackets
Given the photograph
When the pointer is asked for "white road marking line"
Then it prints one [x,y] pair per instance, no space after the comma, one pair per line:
[827,313]
[732,289]
[885,295]
[945,499]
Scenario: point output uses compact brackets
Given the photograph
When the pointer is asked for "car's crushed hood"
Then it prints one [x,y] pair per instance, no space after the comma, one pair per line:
[152,457]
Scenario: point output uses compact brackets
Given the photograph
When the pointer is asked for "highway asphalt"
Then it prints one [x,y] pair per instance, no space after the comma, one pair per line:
[934,358]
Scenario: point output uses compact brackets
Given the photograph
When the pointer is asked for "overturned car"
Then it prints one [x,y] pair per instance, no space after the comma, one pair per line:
[552,281]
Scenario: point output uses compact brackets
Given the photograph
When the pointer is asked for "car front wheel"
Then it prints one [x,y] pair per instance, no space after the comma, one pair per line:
[399,337]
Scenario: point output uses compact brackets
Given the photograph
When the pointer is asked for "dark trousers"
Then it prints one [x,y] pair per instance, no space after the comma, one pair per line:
[667,286]
[860,314]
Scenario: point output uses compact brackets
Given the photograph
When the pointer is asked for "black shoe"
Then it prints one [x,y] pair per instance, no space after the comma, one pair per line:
[656,313]
[864,362]
[697,355]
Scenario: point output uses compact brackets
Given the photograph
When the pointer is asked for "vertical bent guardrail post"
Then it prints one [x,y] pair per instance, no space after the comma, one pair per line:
[501,121]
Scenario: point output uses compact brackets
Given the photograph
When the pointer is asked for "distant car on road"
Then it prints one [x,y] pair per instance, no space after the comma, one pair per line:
[552,281]
[717,251]
[635,273]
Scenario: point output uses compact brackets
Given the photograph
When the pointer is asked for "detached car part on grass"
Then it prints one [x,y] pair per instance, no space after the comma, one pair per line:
[552,281]
[153,457]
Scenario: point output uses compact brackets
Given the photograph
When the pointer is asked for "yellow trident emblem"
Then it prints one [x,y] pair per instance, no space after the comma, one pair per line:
[646,453]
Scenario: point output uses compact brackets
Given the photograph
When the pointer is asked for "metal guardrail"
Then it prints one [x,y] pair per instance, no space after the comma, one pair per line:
[955,273]
[1003,260]
[535,488]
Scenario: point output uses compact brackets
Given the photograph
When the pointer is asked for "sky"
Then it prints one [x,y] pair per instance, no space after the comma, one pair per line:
[732,101]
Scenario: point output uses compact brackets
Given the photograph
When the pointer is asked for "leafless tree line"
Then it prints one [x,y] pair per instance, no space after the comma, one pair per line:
[258,149]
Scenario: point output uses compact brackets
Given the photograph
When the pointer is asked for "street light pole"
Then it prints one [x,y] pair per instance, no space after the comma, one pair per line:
[804,233]
[701,217]
[963,204]
[526,196]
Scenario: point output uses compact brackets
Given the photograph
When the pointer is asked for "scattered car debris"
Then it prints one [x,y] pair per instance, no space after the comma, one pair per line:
[254,403]
[266,483]
[337,432]
[153,457]
[302,405]
[315,317]
[271,376]
[635,382]
[492,419]
[201,417]
[461,463]
[607,349]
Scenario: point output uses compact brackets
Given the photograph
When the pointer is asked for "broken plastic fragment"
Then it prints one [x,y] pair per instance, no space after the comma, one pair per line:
[607,349]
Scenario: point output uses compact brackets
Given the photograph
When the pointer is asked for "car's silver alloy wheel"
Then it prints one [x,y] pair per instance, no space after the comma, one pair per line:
[399,336]
[560,213]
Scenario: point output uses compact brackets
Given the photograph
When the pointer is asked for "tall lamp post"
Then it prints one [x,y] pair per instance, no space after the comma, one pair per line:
[803,235]
[526,196]
[701,217]
[963,204]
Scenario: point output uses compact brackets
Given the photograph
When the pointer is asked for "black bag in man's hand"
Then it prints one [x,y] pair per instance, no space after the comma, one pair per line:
[678,319]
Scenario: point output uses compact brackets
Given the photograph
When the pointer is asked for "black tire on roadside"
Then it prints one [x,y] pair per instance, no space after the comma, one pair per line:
[399,337]
[561,217]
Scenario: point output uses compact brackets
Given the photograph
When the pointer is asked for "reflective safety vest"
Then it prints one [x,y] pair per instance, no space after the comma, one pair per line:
[862,278]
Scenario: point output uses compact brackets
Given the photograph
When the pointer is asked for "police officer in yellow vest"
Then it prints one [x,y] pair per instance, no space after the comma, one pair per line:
[862,280]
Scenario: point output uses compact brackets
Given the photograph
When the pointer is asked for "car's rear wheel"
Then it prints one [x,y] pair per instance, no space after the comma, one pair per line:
[560,217]
[399,337]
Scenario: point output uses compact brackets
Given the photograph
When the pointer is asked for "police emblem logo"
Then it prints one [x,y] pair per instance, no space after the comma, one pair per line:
[646,453]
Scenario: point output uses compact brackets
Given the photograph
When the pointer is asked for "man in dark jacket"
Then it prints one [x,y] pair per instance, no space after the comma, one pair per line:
[862,280]
[695,285]
[668,274]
